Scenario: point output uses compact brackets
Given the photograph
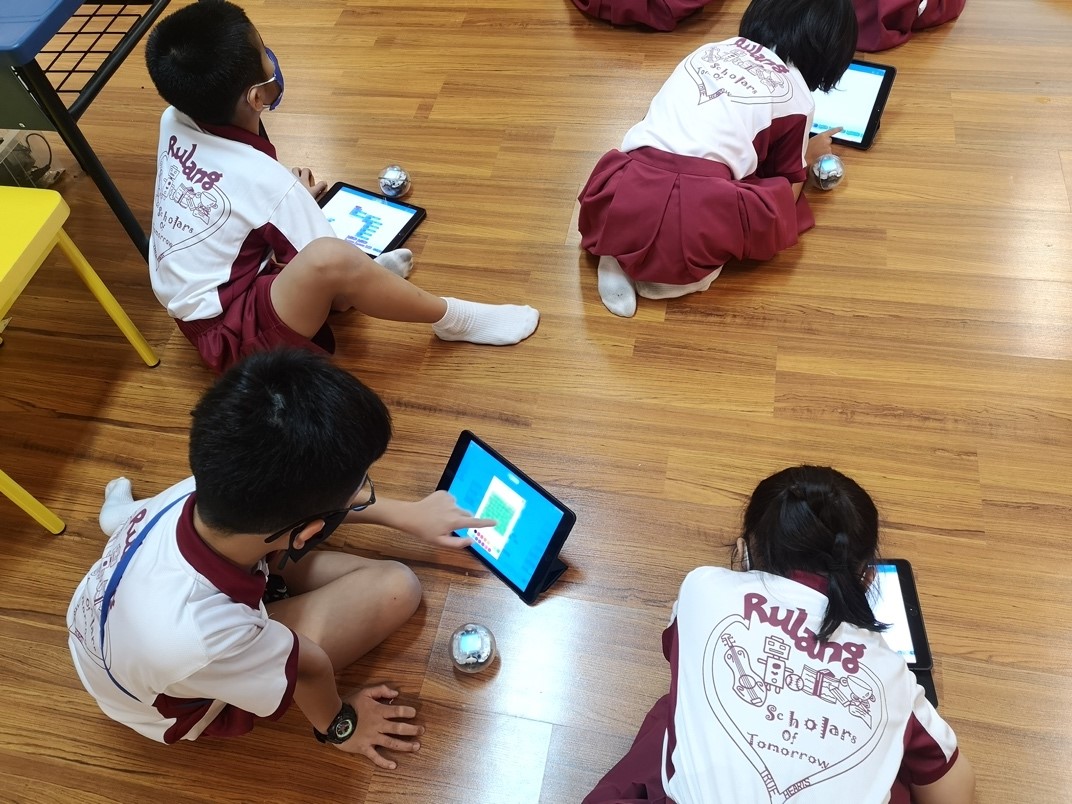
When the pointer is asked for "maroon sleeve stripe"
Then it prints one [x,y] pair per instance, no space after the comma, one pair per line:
[924,759]
[292,680]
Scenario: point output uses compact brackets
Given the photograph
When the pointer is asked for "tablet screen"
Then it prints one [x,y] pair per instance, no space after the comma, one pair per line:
[888,604]
[369,222]
[525,520]
[850,103]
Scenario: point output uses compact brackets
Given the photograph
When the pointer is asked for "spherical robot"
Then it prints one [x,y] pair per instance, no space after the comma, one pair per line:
[472,648]
[394,181]
[828,171]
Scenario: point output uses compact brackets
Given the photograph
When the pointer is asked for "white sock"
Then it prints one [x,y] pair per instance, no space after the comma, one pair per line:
[489,324]
[399,261]
[118,506]
[616,288]
[659,290]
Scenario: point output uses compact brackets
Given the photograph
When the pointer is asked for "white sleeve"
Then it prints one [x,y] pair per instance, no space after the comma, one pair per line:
[299,220]
[253,668]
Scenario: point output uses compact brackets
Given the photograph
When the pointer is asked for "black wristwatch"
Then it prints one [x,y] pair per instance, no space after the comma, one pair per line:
[342,728]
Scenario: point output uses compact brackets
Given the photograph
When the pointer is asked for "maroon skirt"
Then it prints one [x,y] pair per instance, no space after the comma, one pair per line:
[662,15]
[888,23]
[638,777]
[674,219]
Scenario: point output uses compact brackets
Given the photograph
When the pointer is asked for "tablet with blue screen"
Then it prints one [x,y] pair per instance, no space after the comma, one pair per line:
[855,104]
[530,524]
[894,601]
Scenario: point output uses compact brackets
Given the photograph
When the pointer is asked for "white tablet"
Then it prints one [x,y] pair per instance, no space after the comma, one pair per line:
[370,221]
[855,104]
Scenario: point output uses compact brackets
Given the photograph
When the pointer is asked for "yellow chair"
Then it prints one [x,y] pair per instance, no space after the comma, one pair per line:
[31,226]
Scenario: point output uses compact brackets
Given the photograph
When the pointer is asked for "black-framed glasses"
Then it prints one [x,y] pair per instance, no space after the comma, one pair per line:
[332,520]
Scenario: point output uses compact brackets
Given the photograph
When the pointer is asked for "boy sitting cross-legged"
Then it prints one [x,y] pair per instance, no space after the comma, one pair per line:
[206,611]
[240,254]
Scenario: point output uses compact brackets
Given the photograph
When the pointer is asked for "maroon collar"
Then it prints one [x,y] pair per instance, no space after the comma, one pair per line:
[237,134]
[811,580]
[236,583]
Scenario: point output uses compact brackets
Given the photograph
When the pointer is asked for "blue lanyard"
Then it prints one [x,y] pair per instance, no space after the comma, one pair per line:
[113,583]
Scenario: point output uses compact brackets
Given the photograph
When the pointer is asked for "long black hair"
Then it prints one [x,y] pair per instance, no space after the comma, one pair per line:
[818,37]
[815,519]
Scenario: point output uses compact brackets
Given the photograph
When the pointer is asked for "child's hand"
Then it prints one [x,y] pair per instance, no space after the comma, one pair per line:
[437,516]
[315,188]
[821,144]
[377,725]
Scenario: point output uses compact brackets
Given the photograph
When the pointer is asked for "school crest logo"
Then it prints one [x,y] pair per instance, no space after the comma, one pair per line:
[741,72]
[802,712]
[189,205]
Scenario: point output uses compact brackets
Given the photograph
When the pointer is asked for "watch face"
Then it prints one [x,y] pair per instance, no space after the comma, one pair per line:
[342,729]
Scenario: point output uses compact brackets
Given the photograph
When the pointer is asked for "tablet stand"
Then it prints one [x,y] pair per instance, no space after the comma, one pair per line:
[554,572]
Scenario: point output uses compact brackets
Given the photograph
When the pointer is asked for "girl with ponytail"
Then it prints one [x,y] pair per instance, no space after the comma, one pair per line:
[816,520]
[781,686]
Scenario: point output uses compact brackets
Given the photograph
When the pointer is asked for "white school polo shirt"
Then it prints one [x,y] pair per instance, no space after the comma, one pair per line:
[187,634]
[734,102]
[761,711]
[223,208]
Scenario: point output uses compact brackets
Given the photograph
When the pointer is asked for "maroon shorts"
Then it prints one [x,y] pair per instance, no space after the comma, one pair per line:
[250,324]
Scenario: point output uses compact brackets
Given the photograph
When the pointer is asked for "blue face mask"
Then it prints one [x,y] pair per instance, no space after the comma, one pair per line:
[277,77]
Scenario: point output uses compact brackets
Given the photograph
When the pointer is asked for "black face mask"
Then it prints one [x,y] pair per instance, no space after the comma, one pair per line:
[332,520]
[292,553]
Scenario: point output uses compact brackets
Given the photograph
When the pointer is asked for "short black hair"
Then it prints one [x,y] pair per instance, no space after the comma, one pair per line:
[202,58]
[815,519]
[818,37]
[282,436]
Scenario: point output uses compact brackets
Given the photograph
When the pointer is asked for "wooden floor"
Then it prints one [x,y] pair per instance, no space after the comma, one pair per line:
[919,339]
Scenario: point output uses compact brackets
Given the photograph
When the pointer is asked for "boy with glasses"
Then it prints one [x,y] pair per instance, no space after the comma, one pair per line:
[240,254]
[176,631]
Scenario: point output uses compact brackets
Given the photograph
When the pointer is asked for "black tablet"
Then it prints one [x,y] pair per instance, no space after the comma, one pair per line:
[894,601]
[855,104]
[372,222]
[531,525]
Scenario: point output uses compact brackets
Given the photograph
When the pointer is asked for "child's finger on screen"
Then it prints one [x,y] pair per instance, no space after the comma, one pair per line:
[455,542]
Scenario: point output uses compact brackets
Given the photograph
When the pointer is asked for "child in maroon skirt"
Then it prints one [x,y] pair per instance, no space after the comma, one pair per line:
[660,15]
[888,23]
[715,169]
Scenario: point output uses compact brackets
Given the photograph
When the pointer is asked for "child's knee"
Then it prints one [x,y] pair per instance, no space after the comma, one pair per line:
[402,587]
[332,260]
